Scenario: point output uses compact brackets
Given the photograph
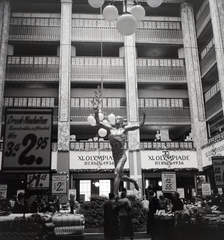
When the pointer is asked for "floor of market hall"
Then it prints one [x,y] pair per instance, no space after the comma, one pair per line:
[99,236]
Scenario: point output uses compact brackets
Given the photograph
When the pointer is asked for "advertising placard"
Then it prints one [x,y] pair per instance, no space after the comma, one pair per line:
[27,140]
[3,191]
[38,181]
[218,166]
[59,184]
[169,182]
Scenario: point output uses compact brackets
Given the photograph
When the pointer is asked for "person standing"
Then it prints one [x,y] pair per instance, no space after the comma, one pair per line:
[117,137]
[125,217]
[153,206]
[20,205]
[111,225]
[177,202]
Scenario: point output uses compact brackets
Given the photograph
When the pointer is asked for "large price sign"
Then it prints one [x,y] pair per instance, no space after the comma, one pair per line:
[169,182]
[27,140]
[38,181]
[59,184]
[218,166]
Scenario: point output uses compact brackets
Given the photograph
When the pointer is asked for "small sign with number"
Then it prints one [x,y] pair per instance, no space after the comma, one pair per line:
[38,181]
[59,184]
[218,166]
[3,191]
[27,140]
[169,182]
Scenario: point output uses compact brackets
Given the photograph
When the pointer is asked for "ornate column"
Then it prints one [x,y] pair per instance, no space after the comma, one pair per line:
[195,92]
[217,18]
[64,87]
[132,108]
[4,35]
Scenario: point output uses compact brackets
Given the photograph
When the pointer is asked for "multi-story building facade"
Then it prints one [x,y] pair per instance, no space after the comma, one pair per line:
[56,53]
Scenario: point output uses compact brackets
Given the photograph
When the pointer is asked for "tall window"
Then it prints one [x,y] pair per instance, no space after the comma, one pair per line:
[85,189]
[104,187]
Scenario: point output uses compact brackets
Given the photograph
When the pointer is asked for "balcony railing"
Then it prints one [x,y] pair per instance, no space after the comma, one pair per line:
[93,69]
[32,68]
[188,145]
[105,146]
[208,61]
[213,105]
[91,28]
[202,17]
[167,115]
[80,114]
[153,115]
[34,29]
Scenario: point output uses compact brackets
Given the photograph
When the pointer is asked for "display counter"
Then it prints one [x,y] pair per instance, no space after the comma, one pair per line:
[41,226]
[182,225]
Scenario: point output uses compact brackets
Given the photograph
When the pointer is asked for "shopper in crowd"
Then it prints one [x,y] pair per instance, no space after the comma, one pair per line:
[163,202]
[153,206]
[111,224]
[21,205]
[177,202]
[125,217]
[145,203]
[73,203]
[117,138]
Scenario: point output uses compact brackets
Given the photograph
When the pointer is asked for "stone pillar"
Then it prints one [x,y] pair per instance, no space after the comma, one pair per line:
[195,92]
[64,87]
[132,108]
[4,35]
[217,18]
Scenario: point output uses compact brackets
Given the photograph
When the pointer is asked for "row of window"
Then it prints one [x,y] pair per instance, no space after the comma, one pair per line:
[80,22]
[80,61]
[86,102]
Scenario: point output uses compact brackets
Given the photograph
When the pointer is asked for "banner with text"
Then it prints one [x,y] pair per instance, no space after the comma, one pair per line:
[216,149]
[27,140]
[168,159]
[93,160]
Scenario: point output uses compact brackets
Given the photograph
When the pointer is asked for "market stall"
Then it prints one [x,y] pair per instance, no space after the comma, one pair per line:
[41,226]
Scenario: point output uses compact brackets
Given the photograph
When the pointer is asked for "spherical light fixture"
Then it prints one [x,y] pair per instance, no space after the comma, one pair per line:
[138,12]
[154,3]
[110,13]
[101,116]
[111,118]
[102,132]
[96,3]
[90,119]
[93,123]
[127,24]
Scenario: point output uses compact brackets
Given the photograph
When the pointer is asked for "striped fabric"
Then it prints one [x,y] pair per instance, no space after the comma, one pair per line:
[69,230]
[68,220]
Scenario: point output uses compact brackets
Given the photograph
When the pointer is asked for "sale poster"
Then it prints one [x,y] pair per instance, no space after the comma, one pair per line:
[59,184]
[27,140]
[38,181]
[218,167]
[169,182]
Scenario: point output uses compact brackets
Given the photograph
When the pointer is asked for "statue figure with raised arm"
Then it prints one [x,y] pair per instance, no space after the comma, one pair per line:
[117,137]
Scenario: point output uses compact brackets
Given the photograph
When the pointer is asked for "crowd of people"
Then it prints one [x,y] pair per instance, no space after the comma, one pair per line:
[35,204]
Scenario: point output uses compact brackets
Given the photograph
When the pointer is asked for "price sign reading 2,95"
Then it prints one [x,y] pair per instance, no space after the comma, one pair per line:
[27,139]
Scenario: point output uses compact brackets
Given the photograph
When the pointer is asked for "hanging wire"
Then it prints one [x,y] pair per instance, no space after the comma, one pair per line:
[101,56]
